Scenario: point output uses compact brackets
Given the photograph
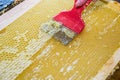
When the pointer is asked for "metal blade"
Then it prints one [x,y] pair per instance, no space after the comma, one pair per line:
[58,31]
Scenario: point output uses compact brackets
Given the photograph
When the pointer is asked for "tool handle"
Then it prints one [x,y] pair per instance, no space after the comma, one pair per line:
[81,8]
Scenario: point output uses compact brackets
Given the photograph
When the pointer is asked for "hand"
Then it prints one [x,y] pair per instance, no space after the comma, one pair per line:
[81,2]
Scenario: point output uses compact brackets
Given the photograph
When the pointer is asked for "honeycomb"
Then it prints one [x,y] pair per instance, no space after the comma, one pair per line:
[26,53]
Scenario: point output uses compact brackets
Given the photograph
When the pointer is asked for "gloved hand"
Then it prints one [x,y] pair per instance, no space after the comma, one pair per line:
[81,2]
[5,3]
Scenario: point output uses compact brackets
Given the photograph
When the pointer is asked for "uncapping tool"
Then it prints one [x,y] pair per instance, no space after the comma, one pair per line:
[66,25]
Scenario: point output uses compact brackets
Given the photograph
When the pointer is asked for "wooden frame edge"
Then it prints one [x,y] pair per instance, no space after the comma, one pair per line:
[16,12]
[108,67]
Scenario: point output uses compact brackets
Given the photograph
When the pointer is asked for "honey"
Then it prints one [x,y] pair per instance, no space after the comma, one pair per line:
[37,56]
